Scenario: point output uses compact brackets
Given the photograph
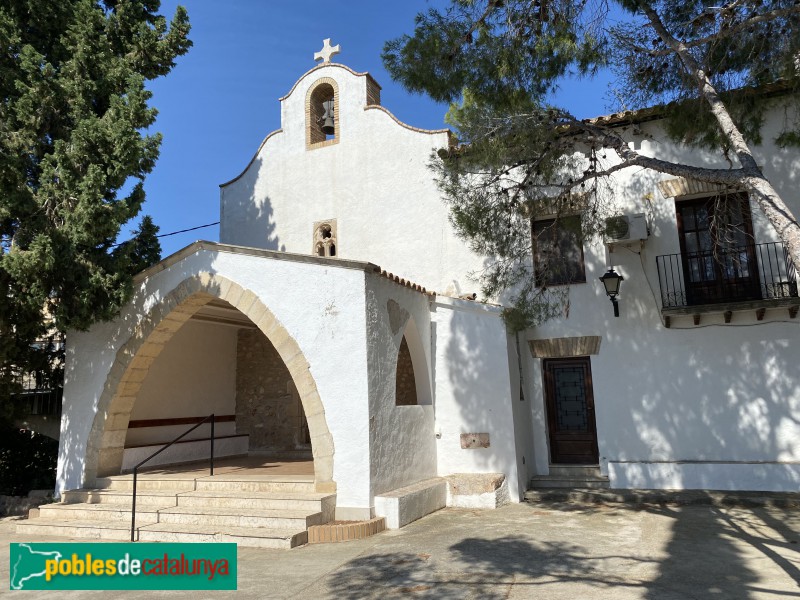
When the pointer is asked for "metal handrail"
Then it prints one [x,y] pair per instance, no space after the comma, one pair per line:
[159,451]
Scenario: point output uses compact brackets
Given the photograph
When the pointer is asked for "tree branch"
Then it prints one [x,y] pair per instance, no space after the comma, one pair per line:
[752,178]
[719,34]
[730,31]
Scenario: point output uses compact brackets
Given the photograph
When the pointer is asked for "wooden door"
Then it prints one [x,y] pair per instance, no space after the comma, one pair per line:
[570,411]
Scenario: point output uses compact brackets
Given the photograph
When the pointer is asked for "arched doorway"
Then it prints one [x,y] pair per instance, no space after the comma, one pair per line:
[133,361]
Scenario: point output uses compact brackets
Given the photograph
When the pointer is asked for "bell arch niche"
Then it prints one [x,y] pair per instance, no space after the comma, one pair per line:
[322,113]
[106,441]
[412,381]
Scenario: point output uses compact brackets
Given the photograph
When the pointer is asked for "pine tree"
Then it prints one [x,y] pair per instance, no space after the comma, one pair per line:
[73,115]
[143,249]
[711,70]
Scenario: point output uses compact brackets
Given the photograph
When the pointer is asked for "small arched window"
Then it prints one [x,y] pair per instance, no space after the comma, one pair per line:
[405,391]
[322,114]
[325,238]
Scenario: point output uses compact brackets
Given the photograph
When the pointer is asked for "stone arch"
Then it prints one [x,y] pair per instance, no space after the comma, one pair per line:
[107,436]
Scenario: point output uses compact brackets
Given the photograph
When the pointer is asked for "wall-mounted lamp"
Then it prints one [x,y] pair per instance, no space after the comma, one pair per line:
[611,281]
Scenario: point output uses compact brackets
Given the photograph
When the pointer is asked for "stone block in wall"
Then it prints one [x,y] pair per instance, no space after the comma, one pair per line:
[268,407]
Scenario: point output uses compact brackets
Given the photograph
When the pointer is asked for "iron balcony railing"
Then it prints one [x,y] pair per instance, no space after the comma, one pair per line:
[42,402]
[726,275]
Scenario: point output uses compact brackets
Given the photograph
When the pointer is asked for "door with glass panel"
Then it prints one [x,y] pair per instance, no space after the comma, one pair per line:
[717,249]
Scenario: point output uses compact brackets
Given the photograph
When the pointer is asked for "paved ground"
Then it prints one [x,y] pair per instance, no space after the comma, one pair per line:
[551,551]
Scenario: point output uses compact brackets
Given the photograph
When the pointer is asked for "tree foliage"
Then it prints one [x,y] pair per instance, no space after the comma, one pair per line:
[711,70]
[27,461]
[74,152]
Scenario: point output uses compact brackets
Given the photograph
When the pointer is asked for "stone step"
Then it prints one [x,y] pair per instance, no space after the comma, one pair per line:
[149,483]
[251,537]
[144,484]
[274,486]
[271,519]
[578,471]
[93,512]
[272,513]
[220,499]
[549,481]
[721,498]
[259,500]
[146,498]
[73,528]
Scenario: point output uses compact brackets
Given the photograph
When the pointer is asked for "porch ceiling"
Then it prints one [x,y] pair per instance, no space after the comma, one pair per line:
[220,312]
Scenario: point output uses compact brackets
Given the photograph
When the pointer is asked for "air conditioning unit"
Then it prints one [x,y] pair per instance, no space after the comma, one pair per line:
[626,229]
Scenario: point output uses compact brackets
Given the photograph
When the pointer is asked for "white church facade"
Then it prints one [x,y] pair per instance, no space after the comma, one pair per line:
[334,320]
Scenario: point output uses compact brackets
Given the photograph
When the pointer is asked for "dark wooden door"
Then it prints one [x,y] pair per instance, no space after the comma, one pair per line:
[719,262]
[570,411]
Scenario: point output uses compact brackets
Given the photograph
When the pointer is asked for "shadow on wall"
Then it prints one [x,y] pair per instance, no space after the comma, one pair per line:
[248,219]
[478,371]
[703,394]
[694,552]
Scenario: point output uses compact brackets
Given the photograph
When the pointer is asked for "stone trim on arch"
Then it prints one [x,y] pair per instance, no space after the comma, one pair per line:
[106,441]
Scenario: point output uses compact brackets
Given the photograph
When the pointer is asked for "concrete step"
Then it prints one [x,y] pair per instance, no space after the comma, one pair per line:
[164,532]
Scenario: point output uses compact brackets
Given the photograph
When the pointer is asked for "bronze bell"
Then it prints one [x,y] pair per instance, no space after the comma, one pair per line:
[328,127]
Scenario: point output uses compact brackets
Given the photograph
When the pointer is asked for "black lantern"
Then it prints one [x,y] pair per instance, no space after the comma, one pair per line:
[611,281]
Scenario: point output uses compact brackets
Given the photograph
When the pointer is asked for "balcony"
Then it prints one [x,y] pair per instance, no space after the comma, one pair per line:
[728,279]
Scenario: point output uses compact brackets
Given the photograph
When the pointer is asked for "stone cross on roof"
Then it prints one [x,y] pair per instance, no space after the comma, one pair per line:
[327,51]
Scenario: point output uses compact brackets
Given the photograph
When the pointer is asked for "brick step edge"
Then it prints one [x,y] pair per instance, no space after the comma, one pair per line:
[677,497]
[346,531]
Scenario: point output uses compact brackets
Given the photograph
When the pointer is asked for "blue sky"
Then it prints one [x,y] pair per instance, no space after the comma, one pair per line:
[221,99]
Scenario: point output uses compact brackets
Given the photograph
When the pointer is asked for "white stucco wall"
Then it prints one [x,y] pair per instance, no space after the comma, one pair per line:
[194,376]
[320,305]
[402,443]
[473,391]
[715,406]
[375,182]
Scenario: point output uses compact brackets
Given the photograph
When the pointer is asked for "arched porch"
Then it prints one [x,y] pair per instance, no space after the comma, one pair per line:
[193,299]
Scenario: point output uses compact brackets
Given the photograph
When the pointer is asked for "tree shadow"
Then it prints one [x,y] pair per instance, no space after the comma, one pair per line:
[246,214]
[655,552]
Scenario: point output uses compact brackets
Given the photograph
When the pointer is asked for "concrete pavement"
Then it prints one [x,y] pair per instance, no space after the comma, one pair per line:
[549,550]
